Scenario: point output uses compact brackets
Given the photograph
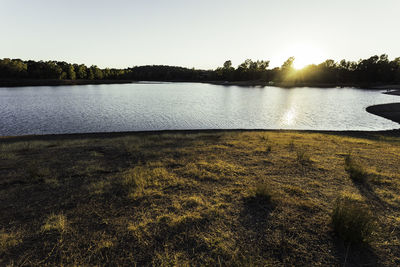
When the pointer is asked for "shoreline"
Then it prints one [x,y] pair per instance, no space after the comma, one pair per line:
[395,92]
[23,83]
[389,111]
[317,85]
[105,135]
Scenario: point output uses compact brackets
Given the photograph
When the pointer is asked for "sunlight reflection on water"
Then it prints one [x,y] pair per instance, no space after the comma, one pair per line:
[289,117]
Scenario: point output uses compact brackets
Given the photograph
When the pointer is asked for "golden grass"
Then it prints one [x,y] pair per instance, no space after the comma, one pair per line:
[56,222]
[183,199]
[8,240]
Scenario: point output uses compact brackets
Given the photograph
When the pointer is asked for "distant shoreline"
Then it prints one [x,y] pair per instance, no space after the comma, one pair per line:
[318,85]
[396,92]
[45,82]
[23,83]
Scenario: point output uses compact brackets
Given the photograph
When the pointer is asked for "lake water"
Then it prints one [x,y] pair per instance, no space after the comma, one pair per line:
[161,106]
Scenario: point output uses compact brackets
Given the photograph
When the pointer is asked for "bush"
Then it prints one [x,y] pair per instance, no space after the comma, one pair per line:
[355,170]
[352,221]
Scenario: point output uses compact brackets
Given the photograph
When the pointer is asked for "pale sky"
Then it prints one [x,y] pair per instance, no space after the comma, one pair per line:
[198,33]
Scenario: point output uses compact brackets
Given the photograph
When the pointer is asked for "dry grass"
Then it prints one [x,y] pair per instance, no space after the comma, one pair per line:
[8,240]
[356,171]
[202,198]
[56,222]
[263,192]
[352,220]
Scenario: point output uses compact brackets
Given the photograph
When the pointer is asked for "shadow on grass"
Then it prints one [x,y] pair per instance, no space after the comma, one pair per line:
[355,254]
[255,219]
[354,226]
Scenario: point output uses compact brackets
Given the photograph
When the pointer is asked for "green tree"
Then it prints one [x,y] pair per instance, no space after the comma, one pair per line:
[97,73]
[71,73]
[90,74]
[81,71]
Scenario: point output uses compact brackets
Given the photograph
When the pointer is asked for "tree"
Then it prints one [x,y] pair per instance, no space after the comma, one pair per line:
[81,71]
[228,64]
[90,74]
[71,73]
[13,68]
[287,70]
[287,66]
[97,73]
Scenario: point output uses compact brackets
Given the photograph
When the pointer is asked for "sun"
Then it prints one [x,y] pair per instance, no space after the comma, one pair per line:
[305,54]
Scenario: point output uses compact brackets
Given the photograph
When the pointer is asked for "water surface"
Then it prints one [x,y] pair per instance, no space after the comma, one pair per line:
[167,106]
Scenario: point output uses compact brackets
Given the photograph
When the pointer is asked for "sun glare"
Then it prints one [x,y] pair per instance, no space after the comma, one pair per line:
[305,54]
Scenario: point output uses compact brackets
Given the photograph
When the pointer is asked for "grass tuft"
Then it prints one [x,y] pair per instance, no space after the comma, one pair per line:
[263,192]
[291,145]
[352,221]
[56,222]
[302,156]
[136,178]
[269,149]
[8,240]
[99,187]
[355,170]
[37,173]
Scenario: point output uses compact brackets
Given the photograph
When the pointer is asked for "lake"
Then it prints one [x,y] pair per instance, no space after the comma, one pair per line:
[167,106]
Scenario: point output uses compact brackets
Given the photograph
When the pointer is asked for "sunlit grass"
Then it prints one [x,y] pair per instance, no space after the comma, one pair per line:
[355,170]
[56,222]
[225,198]
[8,240]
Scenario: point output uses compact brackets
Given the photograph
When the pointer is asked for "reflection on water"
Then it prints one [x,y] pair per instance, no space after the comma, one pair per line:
[159,106]
[289,112]
[289,117]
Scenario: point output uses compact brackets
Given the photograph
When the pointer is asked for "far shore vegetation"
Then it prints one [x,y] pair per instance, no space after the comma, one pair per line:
[375,71]
[201,198]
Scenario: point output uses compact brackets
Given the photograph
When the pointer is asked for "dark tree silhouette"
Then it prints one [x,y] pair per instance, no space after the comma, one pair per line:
[371,71]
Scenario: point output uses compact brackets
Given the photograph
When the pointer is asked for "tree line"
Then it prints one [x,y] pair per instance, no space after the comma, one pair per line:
[374,70]
[58,70]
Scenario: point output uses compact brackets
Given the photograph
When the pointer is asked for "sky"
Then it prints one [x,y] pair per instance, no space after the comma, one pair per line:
[198,33]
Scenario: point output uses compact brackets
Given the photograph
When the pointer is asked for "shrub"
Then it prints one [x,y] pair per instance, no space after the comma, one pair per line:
[355,170]
[352,221]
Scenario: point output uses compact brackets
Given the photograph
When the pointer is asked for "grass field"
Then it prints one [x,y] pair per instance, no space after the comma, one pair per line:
[237,198]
